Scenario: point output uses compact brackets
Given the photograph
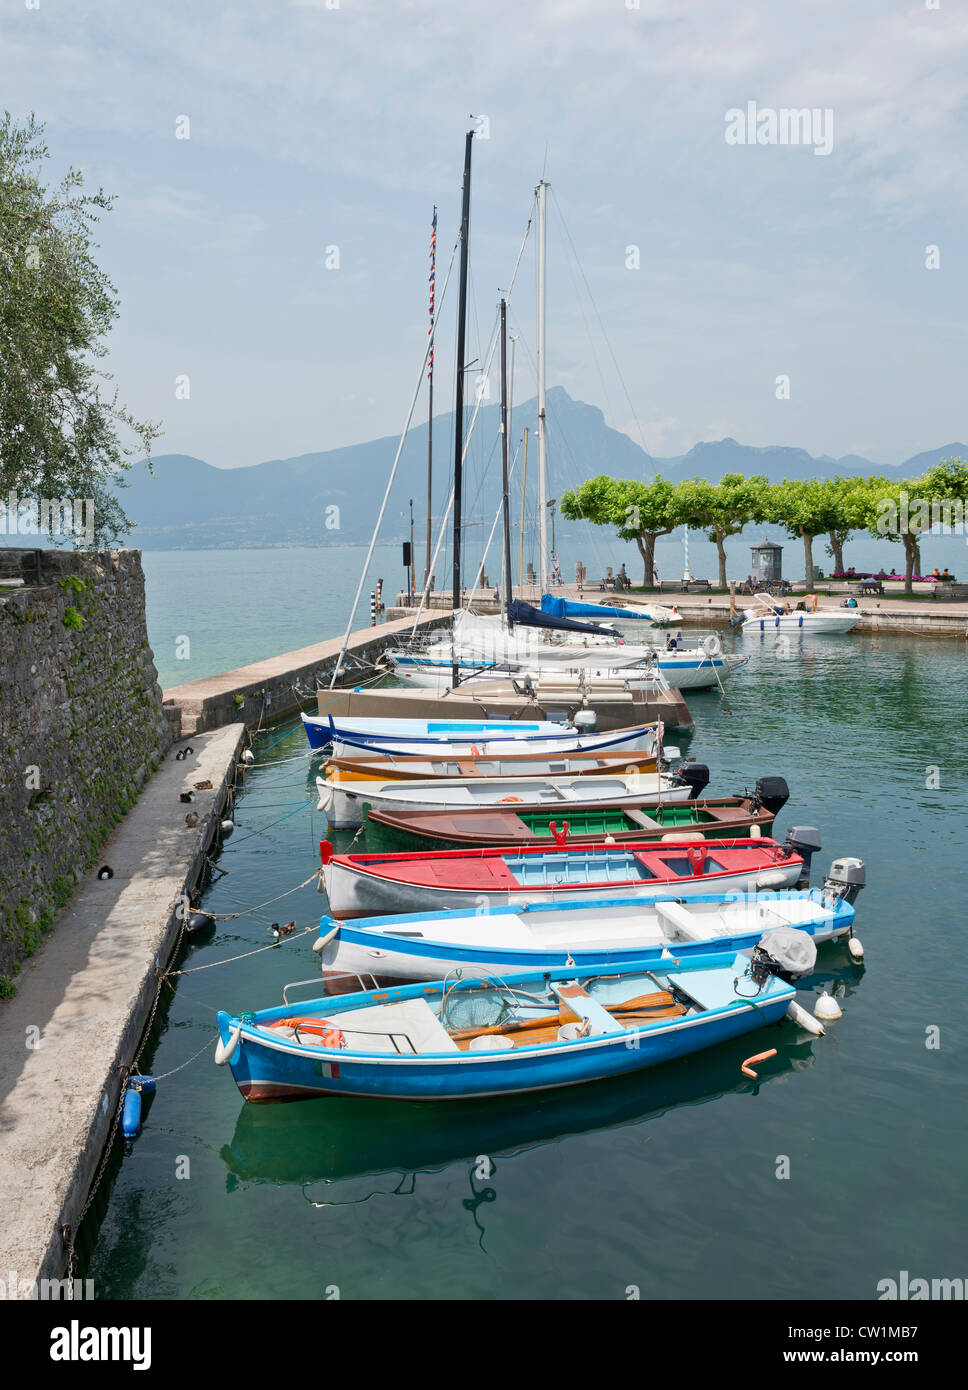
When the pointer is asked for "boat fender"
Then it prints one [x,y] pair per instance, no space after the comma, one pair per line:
[105,871]
[771,878]
[797,1014]
[248,756]
[756,832]
[225,1051]
[855,948]
[322,942]
[325,851]
[199,922]
[227,827]
[609,840]
[827,1008]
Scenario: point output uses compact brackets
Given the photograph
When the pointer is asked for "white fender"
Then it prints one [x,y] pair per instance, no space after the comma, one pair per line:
[322,941]
[827,1007]
[797,1014]
[225,1051]
[756,832]
[855,948]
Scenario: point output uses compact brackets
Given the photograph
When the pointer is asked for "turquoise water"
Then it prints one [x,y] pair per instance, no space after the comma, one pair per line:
[666,1180]
[235,607]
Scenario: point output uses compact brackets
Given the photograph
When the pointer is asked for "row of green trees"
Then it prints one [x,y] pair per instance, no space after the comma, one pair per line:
[898,510]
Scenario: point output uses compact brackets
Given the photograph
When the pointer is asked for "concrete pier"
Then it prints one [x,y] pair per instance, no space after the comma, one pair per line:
[71,1032]
[266,690]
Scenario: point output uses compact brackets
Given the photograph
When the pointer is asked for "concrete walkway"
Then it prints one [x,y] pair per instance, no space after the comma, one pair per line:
[266,689]
[83,1000]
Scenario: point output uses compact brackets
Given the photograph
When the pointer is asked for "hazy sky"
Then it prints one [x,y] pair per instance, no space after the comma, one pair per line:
[315,125]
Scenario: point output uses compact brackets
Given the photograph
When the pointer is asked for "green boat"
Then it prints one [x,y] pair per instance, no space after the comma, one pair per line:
[708,818]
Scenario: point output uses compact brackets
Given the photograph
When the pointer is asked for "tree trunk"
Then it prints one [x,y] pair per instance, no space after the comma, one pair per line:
[722,560]
[808,559]
[837,546]
[911,549]
[646,545]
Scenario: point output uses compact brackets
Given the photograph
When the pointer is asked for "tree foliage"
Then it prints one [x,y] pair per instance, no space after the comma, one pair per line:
[639,511]
[60,420]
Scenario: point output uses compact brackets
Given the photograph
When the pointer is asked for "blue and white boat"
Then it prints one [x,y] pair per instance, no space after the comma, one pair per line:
[578,608]
[594,931]
[469,737]
[688,668]
[478,1037]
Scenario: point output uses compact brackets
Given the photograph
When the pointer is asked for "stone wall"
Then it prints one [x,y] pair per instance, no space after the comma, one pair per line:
[81,727]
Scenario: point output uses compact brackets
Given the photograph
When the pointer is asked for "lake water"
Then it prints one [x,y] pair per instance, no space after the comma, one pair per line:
[666,1181]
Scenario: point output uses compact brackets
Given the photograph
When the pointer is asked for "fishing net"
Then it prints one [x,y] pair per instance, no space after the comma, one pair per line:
[478,1008]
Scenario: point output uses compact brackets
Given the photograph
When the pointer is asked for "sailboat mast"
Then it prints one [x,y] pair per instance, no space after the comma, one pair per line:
[430,382]
[459,398]
[524,480]
[505,501]
[542,443]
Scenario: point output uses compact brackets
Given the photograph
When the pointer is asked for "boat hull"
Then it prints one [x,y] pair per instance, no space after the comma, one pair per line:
[265,1069]
[803,623]
[711,818]
[353,893]
[395,948]
[343,802]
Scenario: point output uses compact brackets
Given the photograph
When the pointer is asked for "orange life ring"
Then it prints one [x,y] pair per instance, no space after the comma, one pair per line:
[322,1027]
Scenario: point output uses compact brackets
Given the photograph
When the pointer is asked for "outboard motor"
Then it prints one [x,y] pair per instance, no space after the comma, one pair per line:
[845,879]
[696,777]
[805,841]
[784,951]
[772,793]
[585,721]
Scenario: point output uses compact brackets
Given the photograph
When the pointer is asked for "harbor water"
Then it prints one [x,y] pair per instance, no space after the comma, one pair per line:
[835,1170]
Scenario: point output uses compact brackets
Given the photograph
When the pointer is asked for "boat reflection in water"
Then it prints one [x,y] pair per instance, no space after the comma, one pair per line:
[346,1150]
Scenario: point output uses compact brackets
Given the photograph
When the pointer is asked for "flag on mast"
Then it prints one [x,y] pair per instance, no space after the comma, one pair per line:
[433,287]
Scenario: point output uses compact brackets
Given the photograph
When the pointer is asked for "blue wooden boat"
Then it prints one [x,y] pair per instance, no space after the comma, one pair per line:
[471,737]
[589,933]
[474,1037]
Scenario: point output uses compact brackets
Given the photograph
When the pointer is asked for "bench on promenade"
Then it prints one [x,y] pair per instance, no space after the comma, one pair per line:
[950,591]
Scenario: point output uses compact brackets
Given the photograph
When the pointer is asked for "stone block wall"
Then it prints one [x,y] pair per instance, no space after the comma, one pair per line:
[81,727]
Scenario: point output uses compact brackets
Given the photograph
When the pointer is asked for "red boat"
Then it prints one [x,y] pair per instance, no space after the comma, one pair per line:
[364,884]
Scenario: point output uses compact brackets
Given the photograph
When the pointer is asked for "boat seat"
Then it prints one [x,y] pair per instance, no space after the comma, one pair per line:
[685,924]
[411,1019]
[575,999]
[713,989]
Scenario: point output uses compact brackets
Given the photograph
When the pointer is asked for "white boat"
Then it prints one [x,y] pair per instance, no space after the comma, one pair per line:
[692,668]
[428,945]
[343,801]
[766,619]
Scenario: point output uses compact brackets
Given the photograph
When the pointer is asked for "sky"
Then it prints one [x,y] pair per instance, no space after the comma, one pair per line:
[687,272]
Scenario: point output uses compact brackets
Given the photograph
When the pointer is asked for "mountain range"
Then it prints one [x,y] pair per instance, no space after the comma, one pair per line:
[187,503]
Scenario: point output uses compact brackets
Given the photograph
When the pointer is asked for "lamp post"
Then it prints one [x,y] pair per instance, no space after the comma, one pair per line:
[551,507]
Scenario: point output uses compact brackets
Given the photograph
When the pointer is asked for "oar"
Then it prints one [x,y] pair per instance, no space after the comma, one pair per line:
[661,1000]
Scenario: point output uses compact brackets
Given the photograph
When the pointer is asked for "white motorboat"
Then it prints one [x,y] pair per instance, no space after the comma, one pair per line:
[772,616]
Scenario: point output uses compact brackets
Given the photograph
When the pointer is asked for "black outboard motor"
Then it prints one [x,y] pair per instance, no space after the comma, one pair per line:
[805,841]
[772,793]
[696,777]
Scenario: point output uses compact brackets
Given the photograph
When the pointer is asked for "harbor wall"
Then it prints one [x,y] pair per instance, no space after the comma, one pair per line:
[81,723]
[268,690]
